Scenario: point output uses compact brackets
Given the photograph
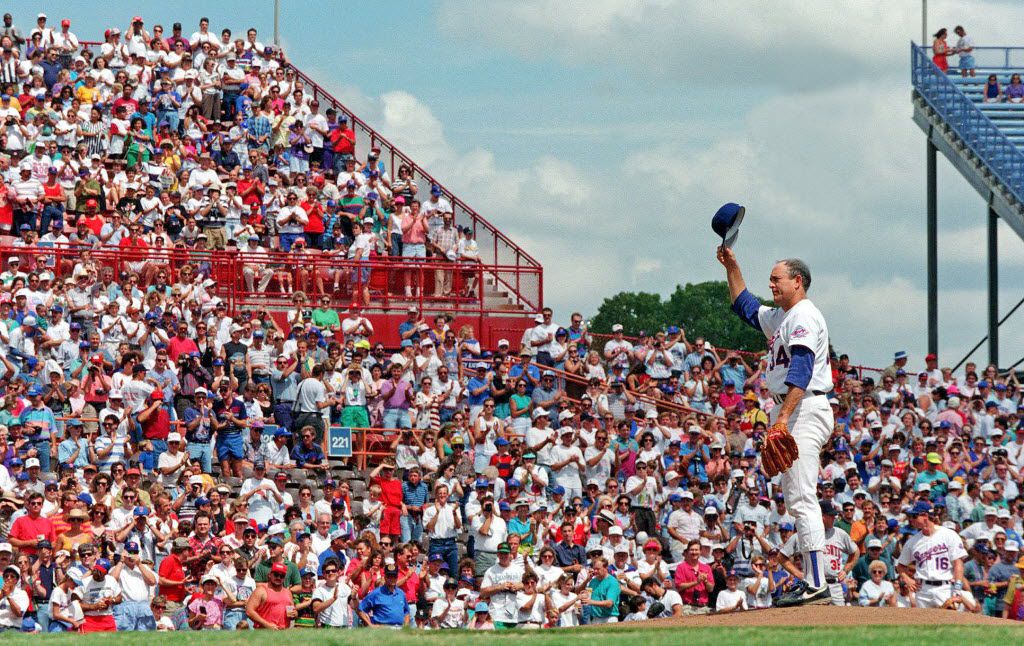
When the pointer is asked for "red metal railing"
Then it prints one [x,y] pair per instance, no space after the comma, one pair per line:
[309,272]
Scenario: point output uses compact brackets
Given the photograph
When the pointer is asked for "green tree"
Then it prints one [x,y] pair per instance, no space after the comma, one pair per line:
[702,309]
[636,311]
[705,310]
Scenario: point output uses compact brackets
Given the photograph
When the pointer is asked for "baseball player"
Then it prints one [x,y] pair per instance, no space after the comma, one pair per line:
[798,377]
[841,554]
[932,561]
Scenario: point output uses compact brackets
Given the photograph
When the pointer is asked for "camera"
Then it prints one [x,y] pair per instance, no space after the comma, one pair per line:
[488,507]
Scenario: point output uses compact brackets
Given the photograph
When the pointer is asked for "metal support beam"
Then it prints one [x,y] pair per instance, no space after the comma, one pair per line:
[993,287]
[933,252]
[277,23]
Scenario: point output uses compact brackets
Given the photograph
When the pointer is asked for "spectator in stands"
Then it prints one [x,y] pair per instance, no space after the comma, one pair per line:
[941,50]
[965,48]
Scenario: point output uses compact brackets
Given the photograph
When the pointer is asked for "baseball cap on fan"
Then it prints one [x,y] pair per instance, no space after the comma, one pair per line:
[726,222]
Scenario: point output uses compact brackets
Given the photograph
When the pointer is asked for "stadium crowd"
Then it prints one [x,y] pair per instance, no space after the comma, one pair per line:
[163,463]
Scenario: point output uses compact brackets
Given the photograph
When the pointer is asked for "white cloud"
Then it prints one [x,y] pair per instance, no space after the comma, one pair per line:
[734,44]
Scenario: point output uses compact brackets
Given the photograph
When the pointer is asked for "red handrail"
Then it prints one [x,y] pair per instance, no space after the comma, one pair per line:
[227,269]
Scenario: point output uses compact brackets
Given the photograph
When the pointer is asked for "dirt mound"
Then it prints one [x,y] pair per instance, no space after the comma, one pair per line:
[834,616]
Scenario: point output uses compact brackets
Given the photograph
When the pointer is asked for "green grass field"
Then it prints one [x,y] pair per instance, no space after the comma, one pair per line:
[753,636]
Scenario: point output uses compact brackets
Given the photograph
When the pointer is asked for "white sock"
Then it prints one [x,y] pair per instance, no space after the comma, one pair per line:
[814,568]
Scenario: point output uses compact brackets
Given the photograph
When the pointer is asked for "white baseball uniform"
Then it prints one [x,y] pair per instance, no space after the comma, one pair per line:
[838,548]
[811,423]
[932,556]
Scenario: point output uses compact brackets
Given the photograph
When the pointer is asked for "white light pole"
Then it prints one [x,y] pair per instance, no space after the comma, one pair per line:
[924,22]
[276,23]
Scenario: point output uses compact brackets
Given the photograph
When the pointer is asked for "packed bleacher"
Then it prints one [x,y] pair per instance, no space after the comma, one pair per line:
[165,459]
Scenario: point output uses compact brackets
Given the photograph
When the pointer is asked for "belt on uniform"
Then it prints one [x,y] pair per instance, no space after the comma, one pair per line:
[933,582]
[443,540]
[831,579]
[778,399]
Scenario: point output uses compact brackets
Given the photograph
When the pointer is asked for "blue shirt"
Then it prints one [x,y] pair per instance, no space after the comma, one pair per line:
[302,455]
[385,608]
[516,371]
[39,423]
[404,327]
[331,554]
[415,496]
[475,384]
[606,589]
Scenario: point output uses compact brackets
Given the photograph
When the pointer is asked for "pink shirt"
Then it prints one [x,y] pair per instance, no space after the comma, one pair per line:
[395,396]
[698,594]
[415,232]
[214,609]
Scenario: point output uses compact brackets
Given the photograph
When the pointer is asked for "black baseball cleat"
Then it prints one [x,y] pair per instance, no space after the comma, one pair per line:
[803,594]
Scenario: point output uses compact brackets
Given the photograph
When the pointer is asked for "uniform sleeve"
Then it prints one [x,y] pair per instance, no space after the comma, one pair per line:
[747,308]
[906,554]
[956,546]
[801,367]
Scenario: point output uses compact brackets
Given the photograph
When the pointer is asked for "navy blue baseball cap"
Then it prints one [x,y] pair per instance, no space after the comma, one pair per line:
[828,509]
[920,507]
[726,222]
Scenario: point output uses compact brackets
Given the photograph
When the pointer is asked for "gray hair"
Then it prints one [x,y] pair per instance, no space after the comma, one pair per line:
[797,267]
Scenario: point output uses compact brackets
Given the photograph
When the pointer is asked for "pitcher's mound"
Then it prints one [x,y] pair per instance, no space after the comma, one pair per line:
[834,616]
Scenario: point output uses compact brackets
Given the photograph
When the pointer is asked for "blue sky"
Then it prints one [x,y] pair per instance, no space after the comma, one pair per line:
[603,135]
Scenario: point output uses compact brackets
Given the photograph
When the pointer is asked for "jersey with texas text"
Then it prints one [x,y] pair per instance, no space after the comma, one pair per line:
[933,555]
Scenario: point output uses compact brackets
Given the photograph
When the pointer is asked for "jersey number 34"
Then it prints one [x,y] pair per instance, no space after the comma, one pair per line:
[778,359]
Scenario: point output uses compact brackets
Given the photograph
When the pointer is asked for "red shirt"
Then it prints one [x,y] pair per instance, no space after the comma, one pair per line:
[698,594]
[343,140]
[176,345]
[256,197]
[315,214]
[170,568]
[158,426]
[128,242]
[390,491]
[94,222]
[60,524]
[133,105]
[412,585]
[27,528]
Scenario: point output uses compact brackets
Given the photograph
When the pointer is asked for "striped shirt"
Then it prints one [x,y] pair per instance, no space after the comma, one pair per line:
[415,496]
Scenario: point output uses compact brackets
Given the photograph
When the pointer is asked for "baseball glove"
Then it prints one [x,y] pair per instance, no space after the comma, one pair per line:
[779,450]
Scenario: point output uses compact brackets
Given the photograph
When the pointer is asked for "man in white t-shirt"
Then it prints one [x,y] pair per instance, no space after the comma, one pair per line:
[669,599]
[13,599]
[100,592]
[965,48]
[331,598]
[501,582]
[136,579]
[568,463]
